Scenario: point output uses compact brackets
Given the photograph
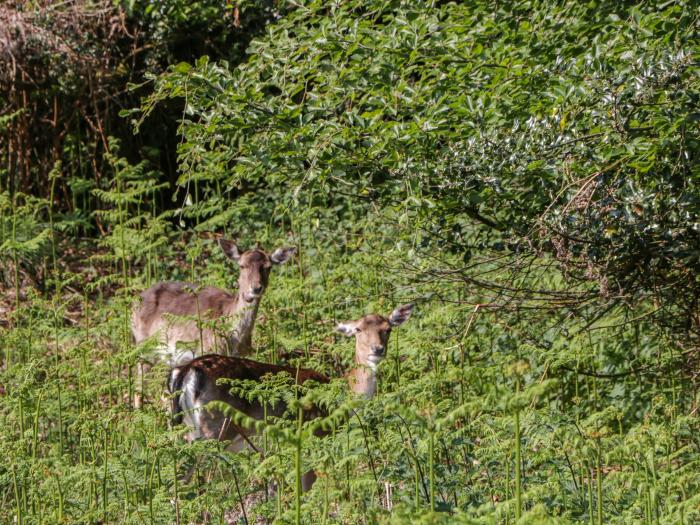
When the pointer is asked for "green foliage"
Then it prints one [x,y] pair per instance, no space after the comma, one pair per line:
[524,172]
[442,383]
[568,129]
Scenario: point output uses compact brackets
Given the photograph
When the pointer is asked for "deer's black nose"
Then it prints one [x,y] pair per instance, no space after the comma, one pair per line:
[257,289]
[378,349]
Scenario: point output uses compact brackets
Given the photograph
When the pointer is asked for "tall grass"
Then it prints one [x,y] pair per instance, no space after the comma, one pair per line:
[456,434]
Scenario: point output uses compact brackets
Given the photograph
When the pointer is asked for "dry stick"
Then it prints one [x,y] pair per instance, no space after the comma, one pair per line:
[265,445]
[238,488]
[177,503]
[450,464]
[371,463]
[240,497]
[431,462]
[150,488]
[297,464]
[58,380]
[347,463]
[579,491]
[104,476]
[415,455]
[599,484]
[518,466]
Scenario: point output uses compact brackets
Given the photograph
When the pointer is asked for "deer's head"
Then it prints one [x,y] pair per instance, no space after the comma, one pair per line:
[255,266]
[371,334]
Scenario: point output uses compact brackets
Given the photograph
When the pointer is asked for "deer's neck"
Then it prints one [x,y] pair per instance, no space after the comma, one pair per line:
[241,317]
[363,380]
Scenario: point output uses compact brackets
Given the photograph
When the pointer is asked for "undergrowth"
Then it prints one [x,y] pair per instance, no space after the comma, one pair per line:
[525,174]
[482,415]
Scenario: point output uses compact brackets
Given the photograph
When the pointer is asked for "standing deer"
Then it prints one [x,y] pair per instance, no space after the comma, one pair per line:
[194,385]
[234,313]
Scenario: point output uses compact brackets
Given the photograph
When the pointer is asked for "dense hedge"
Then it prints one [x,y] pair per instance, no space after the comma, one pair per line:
[569,129]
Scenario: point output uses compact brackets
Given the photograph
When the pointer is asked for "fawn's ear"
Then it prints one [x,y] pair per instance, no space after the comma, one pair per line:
[348,328]
[399,316]
[282,255]
[230,249]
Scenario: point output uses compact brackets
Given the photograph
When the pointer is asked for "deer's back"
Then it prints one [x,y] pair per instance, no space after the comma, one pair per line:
[178,299]
[214,367]
[198,382]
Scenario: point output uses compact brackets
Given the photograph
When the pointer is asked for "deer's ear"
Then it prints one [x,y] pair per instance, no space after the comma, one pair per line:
[282,255]
[399,316]
[348,329]
[230,249]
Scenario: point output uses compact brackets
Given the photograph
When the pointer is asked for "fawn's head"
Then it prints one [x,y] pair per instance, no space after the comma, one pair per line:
[372,334]
[255,266]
